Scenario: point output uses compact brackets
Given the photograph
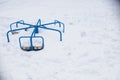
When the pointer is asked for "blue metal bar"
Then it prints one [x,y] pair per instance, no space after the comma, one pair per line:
[49,23]
[31,47]
[15,30]
[39,22]
[36,29]
[31,44]
[60,23]
[63,26]
[27,24]
[32,35]
[21,21]
[56,22]
[53,30]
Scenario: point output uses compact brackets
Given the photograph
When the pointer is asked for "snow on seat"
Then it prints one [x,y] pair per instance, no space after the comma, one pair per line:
[25,48]
[35,48]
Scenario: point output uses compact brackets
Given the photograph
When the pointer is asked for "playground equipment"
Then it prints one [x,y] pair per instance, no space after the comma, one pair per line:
[30,39]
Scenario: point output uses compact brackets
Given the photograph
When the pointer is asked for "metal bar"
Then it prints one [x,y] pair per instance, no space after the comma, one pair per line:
[15,30]
[31,49]
[15,23]
[39,22]
[55,22]
[53,30]
[49,23]
[60,23]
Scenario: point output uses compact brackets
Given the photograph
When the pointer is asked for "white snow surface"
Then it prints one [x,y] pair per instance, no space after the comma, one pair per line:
[90,49]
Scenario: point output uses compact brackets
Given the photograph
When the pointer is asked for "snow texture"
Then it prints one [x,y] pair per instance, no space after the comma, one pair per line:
[90,49]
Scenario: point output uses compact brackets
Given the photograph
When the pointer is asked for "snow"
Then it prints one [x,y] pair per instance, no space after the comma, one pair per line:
[90,49]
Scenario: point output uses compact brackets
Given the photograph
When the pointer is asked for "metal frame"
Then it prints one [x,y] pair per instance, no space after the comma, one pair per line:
[31,48]
[35,31]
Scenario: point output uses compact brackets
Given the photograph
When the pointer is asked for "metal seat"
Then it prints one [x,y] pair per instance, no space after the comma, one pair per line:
[32,46]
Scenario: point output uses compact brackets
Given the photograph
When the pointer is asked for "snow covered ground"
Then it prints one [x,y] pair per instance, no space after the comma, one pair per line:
[90,49]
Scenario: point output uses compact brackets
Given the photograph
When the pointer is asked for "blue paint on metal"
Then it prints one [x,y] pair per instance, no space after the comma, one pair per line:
[31,44]
[35,31]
